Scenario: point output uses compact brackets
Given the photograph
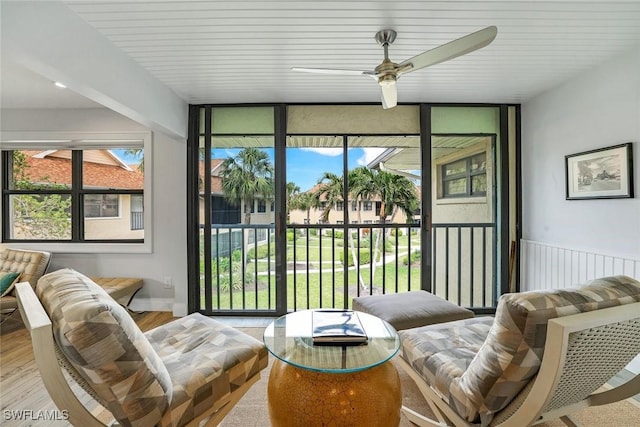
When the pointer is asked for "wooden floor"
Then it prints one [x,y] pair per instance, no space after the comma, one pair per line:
[22,393]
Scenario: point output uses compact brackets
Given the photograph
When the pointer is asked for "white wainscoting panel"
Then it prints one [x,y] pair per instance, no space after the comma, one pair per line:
[546,266]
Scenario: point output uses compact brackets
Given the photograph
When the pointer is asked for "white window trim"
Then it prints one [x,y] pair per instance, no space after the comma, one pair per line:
[27,140]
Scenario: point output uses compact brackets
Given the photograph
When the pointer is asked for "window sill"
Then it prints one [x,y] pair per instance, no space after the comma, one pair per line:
[85,248]
[462,201]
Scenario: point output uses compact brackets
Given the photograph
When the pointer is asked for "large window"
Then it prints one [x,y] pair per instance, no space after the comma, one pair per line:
[465,177]
[57,194]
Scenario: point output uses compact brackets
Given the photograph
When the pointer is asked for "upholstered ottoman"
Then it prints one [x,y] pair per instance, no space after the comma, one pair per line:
[412,309]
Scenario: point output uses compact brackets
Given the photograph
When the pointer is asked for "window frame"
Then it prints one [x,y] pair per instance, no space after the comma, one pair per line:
[56,140]
[468,175]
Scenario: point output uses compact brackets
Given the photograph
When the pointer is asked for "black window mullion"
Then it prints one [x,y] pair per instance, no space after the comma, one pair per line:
[6,170]
[468,176]
[77,197]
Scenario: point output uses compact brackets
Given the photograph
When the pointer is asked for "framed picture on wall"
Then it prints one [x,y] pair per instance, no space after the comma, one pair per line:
[605,173]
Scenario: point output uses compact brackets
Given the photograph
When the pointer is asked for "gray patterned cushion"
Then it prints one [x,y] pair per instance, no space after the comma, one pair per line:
[206,360]
[443,351]
[513,350]
[106,347]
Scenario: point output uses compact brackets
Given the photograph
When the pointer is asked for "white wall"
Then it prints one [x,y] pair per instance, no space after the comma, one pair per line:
[597,109]
[168,257]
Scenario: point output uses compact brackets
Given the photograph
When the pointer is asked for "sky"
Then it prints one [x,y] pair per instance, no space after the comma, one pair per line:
[305,166]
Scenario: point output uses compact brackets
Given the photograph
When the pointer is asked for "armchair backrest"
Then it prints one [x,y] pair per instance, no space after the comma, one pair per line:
[105,346]
[512,353]
[31,264]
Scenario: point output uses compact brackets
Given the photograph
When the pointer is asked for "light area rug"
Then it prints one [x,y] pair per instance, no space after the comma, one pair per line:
[252,410]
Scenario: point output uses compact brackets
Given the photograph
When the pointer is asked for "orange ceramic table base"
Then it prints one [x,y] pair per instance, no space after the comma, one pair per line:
[301,397]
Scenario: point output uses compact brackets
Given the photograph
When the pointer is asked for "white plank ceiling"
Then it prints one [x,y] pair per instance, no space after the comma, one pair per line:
[242,51]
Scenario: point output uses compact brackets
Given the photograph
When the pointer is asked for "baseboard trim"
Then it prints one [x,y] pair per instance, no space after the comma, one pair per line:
[152,304]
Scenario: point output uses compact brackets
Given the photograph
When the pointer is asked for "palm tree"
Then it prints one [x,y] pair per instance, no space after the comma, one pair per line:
[137,153]
[245,177]
[396,193]
[362,186]
[292,191]
[304,202]
[329,191]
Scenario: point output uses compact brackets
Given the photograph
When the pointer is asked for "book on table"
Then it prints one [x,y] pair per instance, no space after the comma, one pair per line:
[337,327]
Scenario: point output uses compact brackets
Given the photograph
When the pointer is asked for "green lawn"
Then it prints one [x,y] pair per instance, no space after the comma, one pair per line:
[318,290]
[321,289]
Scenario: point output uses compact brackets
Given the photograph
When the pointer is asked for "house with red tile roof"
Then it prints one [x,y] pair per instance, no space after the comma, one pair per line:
[108,215]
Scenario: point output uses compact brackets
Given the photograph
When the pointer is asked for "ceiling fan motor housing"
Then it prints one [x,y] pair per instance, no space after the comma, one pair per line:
[385,37]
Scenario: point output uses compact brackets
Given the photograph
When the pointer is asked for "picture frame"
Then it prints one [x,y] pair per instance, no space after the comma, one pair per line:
[603,173]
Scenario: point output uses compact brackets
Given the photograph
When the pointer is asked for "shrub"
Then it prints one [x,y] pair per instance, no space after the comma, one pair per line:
[364,257]
[413,258]
[263,251]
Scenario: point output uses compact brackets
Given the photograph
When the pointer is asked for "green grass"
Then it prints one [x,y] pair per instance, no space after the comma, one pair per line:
[320,289]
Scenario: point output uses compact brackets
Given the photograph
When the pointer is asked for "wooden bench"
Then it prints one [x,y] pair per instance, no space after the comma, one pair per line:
[121,289]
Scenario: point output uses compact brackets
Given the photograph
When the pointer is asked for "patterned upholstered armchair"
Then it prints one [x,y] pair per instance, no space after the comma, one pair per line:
[543,356]
[188,371]
[19,265]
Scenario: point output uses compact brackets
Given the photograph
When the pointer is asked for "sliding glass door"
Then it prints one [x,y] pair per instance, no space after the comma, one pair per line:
[299,207]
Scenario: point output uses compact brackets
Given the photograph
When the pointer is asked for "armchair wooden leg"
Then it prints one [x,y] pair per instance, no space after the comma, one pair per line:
[419,419]
[568,421]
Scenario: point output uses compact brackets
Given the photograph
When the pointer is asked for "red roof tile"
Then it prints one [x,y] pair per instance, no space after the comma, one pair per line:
[216,181]
[95,175]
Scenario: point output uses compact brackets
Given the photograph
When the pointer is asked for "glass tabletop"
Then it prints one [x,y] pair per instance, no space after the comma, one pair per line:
[290,339]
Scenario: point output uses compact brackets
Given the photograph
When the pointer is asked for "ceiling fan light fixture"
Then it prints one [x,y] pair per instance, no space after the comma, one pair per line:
[387,80]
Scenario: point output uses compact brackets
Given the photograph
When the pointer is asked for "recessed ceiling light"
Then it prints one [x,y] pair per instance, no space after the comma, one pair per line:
[60,85]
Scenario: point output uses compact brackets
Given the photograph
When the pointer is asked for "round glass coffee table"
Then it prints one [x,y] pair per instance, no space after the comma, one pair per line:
[332,384]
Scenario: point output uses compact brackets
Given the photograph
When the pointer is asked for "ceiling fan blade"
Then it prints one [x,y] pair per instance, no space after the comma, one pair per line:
[450,50]
[335,71]
[389,95]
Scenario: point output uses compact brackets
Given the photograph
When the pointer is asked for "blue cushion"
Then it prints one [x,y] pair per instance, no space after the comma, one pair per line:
[6,280]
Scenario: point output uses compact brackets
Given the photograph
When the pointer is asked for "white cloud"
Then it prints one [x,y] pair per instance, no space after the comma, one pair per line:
[369,155]
[333,152]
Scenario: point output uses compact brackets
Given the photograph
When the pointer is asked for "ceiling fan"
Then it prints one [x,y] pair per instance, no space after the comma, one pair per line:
[388,72]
